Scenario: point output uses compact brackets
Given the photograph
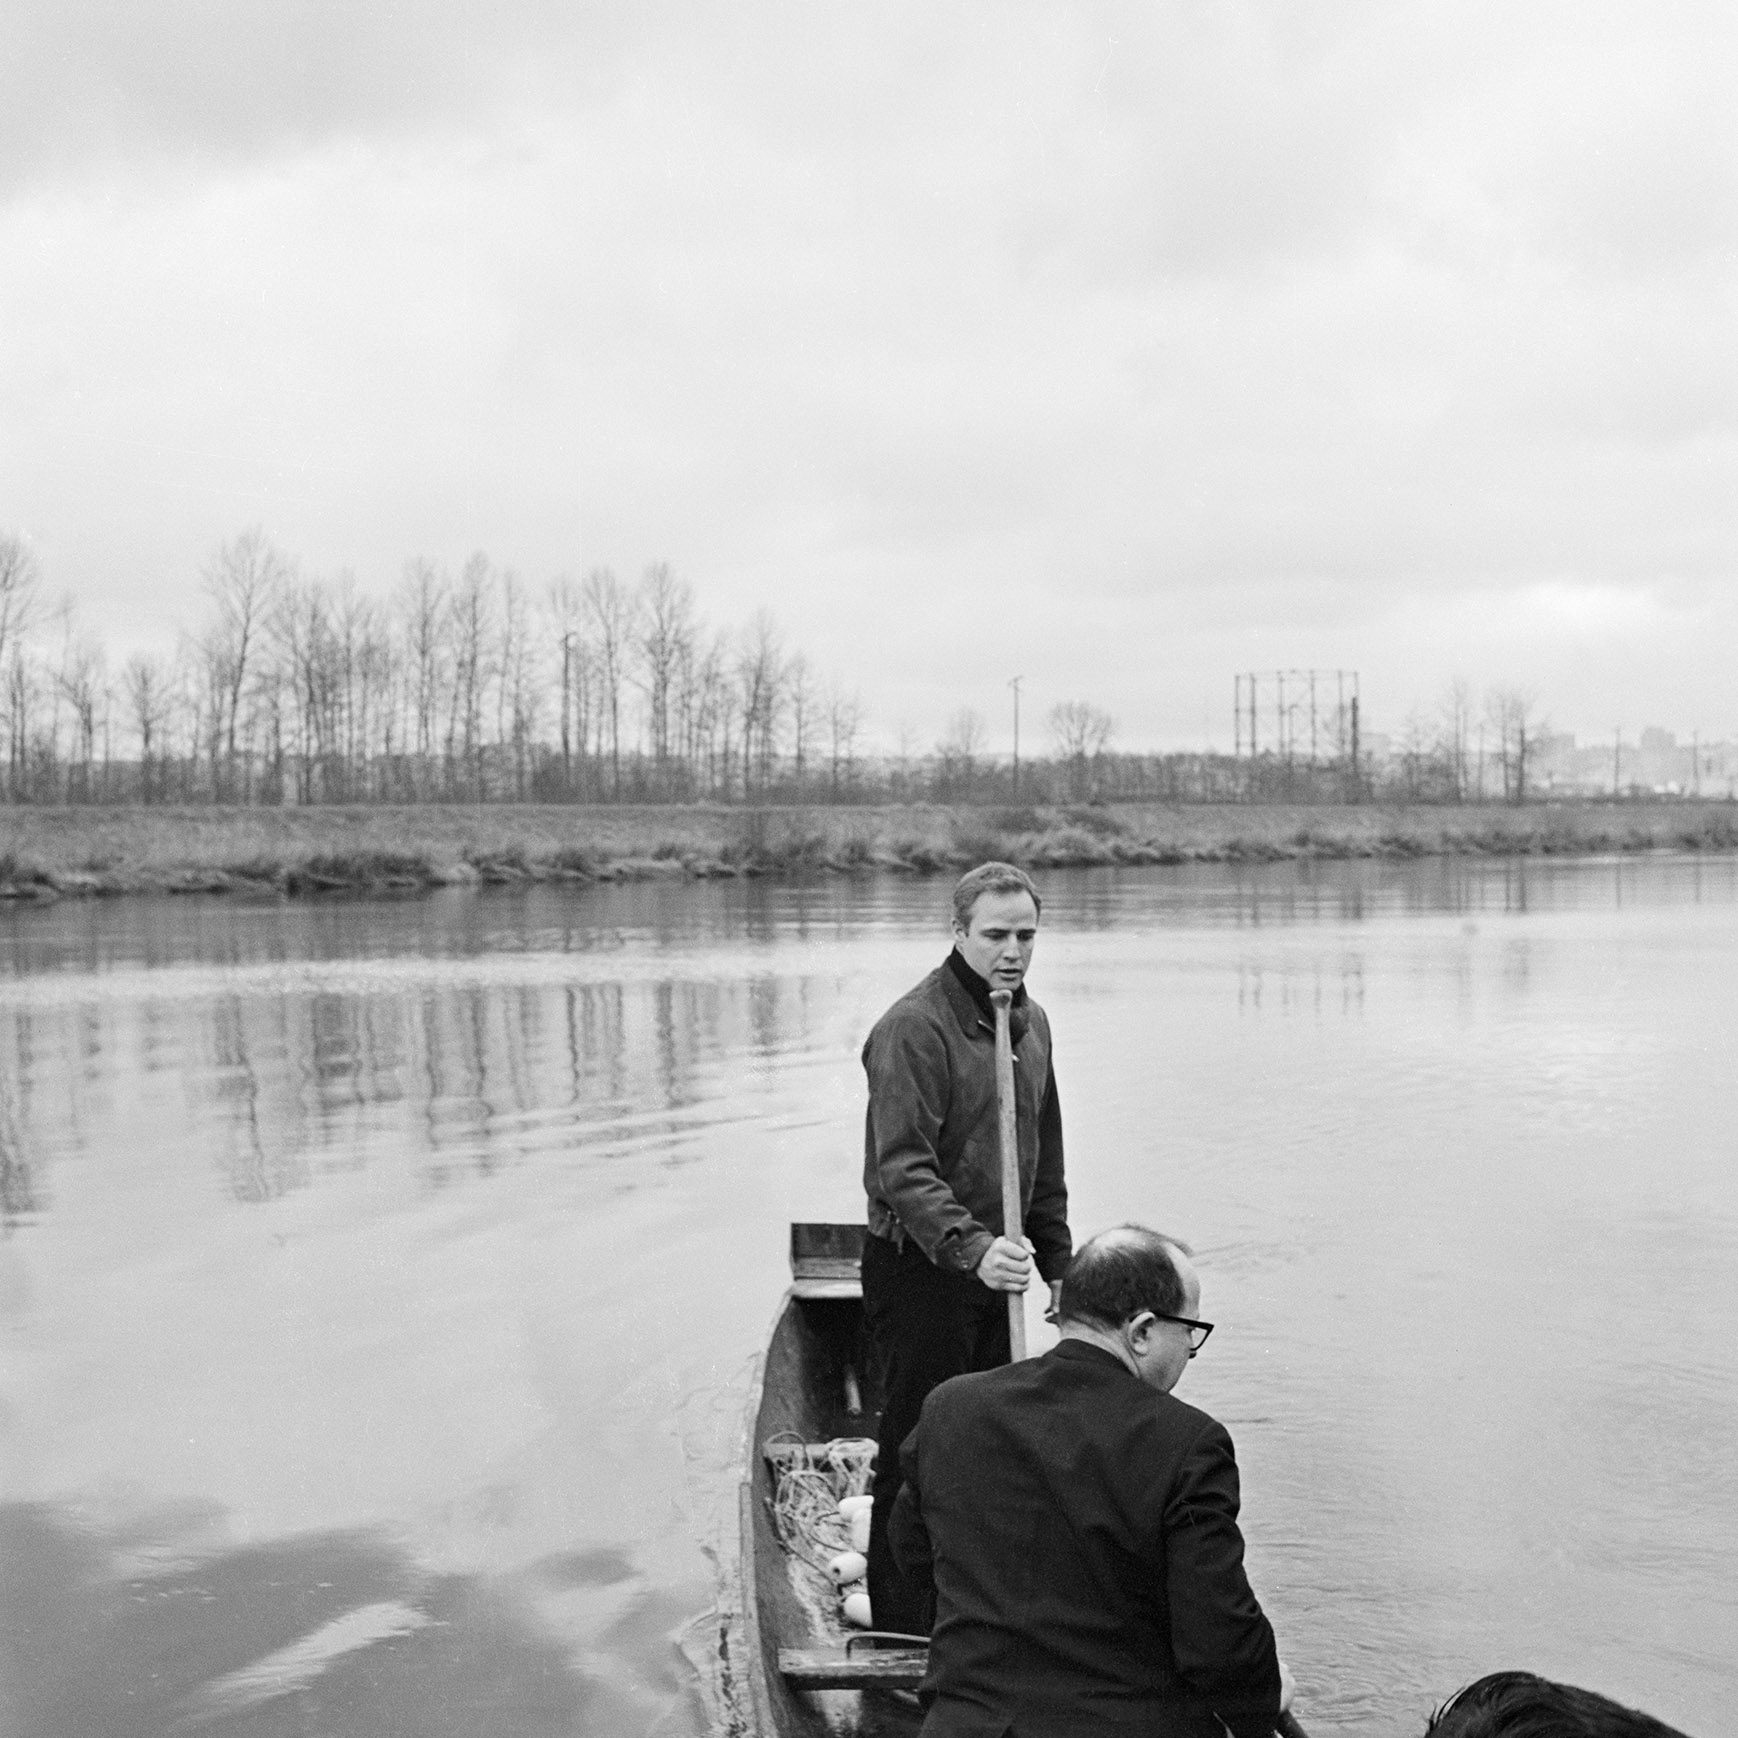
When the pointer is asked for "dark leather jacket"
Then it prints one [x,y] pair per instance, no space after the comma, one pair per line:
[931,1142]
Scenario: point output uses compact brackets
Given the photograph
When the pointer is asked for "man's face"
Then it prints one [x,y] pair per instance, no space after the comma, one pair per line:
[1165,1354]
[997,944]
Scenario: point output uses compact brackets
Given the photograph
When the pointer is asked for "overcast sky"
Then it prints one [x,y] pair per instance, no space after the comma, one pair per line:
[1115,347]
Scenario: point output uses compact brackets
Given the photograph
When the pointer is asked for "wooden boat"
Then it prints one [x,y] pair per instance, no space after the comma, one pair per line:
[807,1677]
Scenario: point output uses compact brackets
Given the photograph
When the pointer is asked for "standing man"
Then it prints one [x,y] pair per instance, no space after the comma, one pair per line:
[1077,1526]
[937,1270]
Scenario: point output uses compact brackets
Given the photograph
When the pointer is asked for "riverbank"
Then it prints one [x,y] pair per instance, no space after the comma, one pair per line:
[71,852]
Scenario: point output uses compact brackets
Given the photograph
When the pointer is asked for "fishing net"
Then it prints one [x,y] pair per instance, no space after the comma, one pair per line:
[809,1479]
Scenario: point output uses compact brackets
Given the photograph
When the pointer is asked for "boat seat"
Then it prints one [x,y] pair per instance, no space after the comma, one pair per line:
[835,1668]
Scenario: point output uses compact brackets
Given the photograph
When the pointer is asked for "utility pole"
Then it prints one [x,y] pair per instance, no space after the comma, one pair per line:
[1617,763]
[1696,762]
[1015,685]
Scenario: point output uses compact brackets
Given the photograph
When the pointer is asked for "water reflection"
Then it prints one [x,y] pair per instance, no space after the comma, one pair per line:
[84,937]
[151,1629]
[476,1075]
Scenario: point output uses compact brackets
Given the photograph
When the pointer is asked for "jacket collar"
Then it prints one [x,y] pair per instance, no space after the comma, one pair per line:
[974,1007]
[1085,1352]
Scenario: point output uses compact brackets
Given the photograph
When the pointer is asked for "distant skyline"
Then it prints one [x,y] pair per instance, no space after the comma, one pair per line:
[1121,348]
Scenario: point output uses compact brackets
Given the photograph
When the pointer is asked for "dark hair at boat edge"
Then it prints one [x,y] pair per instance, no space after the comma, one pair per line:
[1522,1705]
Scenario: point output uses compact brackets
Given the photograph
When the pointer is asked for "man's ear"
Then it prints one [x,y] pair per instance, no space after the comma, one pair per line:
[1139,1328]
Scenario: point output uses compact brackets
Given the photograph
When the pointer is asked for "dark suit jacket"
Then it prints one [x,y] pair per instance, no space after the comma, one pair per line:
[1079,1529]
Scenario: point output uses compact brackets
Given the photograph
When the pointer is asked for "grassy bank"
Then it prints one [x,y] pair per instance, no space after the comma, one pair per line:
[56,853]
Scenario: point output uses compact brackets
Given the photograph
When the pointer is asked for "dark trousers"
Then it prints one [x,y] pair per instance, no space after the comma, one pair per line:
[926,1325]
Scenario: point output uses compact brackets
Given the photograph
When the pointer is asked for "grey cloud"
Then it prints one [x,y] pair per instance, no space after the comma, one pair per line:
[1188,305]
[220,79]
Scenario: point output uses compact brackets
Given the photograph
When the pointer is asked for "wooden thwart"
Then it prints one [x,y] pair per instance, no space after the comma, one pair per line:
[826,1260]
[826,1251]
[834,1669]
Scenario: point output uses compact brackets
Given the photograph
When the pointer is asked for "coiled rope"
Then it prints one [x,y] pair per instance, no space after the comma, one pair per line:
[810,1479]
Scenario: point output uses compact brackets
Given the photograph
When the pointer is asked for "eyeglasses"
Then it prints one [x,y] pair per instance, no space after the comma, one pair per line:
[1198,1331]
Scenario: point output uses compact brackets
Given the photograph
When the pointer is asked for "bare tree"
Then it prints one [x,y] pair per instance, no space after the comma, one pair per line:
[611,611]
[707,711]
[1081,733]
[567,613]
[20,695]
[381,679]
[147,683]
[957,754]
[468,630]
[1415,747]
[1512,715]
[358,684]
[299,633]
[844,718]
[81,683]
[20,580]
[422,605]
[803,703]
[516,707]
[1456,725]
[664,619]
[243,580]
[760,673]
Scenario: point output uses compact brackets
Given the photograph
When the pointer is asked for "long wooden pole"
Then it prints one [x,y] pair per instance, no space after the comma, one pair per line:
[1009,1127]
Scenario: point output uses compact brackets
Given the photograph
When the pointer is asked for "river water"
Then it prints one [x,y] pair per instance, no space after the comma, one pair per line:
[381,1284]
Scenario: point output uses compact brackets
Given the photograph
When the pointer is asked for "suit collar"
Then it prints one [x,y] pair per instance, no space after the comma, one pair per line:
[1085,1352]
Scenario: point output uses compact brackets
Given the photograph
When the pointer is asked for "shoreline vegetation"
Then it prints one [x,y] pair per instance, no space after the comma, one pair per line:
[52,853]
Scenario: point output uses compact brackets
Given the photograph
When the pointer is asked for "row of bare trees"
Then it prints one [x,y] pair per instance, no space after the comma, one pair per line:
[473,686]
[458,687]
[1468,752]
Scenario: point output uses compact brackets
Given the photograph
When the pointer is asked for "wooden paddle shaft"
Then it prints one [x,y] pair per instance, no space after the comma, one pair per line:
[1009,1127]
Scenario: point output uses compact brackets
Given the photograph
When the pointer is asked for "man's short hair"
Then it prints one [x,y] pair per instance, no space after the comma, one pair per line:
[990,878]
[1119,1273]
[1520,1705]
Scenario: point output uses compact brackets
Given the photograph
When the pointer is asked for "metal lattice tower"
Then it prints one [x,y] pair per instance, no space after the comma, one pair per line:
[1293,715]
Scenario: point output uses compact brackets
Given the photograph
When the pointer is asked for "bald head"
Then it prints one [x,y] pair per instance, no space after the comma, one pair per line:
[1120,1272]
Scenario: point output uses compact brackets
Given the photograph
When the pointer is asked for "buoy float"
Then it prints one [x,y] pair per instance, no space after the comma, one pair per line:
[848,1566]
[856,1610]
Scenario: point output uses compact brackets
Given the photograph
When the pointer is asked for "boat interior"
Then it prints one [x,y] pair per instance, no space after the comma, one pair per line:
[808,1672]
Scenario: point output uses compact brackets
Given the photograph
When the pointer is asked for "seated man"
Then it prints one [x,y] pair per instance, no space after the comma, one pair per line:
[1076,1527]
[1519,1705]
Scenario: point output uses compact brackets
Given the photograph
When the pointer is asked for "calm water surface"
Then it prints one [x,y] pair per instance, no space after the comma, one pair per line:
[380,1285]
